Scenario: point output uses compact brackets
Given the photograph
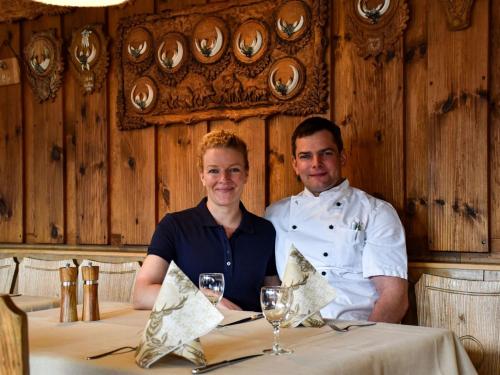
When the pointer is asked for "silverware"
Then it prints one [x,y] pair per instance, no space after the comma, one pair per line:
[114,351]
[213,366]
[244,320]
[346,328]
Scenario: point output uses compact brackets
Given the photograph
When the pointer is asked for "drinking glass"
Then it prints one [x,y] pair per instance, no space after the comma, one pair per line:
[212,286]
[275,302]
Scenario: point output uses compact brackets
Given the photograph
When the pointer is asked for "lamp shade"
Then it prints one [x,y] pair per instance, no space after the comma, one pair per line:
[82,3]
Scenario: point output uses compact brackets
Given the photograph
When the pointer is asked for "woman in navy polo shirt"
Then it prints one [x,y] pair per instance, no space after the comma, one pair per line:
[218,235]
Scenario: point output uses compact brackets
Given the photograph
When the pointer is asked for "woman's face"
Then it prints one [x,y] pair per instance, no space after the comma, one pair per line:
[223,175]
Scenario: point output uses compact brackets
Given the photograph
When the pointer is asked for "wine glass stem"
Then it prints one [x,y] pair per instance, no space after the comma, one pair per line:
[276,331]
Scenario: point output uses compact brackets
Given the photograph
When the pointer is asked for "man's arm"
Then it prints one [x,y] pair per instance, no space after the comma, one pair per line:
[392,303]
[148,282]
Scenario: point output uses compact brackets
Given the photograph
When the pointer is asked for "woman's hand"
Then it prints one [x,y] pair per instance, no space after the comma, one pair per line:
[228,305]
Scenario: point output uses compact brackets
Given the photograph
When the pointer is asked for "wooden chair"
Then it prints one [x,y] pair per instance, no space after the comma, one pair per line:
[40,277]
[14,355]
[116,280]
[7,273]
[469,308]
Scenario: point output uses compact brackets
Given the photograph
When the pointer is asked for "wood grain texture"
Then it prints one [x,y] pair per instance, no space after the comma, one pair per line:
[68,278]
[90,276]
[368,105]
[87,144]
[253,132]
[464,306]
[494,121]
[282,181]
[44,153]
[13,338]
[458,109]
[178,175]
[133,154]
[11,147]
[416,129]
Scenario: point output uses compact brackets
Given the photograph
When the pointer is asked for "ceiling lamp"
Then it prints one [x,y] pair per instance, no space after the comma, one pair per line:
[82,3]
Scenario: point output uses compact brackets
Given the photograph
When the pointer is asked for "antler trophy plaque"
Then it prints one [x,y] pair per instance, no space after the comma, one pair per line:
[250,58]
[89,57]
[375,25]
[44,64]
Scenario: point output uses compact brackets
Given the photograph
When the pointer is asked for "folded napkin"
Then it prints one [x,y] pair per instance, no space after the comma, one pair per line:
[311,291]
[181,314]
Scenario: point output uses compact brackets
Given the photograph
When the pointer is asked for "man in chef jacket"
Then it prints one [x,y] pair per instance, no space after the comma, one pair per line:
[354,240]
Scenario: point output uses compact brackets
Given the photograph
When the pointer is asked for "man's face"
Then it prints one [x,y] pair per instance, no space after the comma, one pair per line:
[318,162]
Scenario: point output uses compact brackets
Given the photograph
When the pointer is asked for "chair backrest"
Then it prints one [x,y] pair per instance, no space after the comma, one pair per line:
[40,277]
[116,280]
[7,272]
[469,308]
[13,338]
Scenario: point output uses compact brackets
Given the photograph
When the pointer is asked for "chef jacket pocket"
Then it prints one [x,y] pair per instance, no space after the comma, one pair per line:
[347,249]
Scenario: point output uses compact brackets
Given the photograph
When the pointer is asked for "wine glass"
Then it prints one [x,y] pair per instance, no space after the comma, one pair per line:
[212,286]
[275,302]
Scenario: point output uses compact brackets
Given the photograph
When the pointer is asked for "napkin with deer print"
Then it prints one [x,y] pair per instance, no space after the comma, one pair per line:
[181,314]
[311,291]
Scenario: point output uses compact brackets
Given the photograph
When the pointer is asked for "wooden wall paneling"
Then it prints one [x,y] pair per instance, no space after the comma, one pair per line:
[11,146]
[457,104]
[495,126]
[178,177]
[86,117]
[416,129]
[175,4]
[369,107]
[253,132]
[132,169]
[282,181]
[44,154]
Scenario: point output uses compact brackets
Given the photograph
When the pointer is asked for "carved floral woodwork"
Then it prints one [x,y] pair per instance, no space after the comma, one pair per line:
[458,13]
[375,25]
[44,64]
[89,57]
[9,65]
[219,61]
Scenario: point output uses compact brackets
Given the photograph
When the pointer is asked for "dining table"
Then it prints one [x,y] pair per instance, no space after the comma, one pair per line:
[35,303]
[62,348]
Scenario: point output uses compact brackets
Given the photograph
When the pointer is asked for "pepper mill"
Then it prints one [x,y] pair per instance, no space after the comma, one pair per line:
[68,276]
[90,276]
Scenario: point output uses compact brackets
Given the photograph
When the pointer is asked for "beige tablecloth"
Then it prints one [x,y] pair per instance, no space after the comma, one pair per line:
[61,348]
[36,303]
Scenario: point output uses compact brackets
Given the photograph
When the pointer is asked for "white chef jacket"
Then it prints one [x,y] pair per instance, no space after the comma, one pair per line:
[348,236]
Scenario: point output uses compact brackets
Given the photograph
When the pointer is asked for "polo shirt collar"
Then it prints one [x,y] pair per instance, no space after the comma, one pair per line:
[208,220]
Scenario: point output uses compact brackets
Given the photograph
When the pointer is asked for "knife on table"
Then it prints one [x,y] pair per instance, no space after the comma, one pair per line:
[213,366]
[244,320]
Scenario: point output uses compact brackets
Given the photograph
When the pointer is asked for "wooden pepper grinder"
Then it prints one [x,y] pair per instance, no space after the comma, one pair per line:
[90,276]
[68,276]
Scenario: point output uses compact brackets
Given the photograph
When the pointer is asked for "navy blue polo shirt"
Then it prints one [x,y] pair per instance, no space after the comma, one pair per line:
[197,244]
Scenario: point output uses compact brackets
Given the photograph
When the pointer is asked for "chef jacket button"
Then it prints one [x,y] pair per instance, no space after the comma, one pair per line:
[325,254]
[331,226]
[228,263]
[338,204]
[294,227]
[323,273]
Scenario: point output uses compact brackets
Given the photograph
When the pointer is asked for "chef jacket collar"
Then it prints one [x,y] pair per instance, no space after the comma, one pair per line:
[338,191]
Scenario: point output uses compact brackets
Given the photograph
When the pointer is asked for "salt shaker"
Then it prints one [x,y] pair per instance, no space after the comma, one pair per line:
[68,276]
[90,276]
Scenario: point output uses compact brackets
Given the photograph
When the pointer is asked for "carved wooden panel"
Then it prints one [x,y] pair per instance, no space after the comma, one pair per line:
[458,13]
[223,60]
[44,64]
[375,26]
[469,308]
[88,53]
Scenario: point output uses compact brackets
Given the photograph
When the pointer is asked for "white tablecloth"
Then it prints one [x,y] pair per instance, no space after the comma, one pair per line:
[61,348]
